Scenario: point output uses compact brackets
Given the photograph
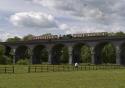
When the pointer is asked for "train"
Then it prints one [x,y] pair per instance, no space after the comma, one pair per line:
[45,37]
[69,36]
[90,34]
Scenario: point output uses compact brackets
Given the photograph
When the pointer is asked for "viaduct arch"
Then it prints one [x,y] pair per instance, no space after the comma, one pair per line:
[55,46]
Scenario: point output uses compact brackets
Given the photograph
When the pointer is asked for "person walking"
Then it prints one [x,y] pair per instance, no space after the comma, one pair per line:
[76,65]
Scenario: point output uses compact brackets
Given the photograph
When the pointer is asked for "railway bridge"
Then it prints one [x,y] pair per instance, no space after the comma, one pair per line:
[53,47]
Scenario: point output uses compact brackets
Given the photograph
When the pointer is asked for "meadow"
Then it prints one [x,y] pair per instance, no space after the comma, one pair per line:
[113,78]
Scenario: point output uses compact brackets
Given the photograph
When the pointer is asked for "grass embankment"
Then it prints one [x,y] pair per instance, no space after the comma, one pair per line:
[114,78]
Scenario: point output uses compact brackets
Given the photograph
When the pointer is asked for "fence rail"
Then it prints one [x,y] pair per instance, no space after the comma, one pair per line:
[7,69]
[59,68]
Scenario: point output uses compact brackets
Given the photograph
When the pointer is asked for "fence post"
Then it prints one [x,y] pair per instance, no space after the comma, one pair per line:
[47,68]
[77,68]
[114,66]
[28,69]
[35,68]
[41,68]
[89,67]
[68,67]
[53,68]
[81,68]
[96,67]
[63,67]
[13,69]
[5,69]
[84,66]
[119,66]
[92,67]
[58,68]
[73,68]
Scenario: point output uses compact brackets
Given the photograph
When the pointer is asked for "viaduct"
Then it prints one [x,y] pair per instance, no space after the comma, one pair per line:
[95,44]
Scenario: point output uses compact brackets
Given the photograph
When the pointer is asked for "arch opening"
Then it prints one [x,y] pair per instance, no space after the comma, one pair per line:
[22,53]
[81,53]
[60,54]
[40,55]
[122,54]
[8,54]
[5,55]
[7,51]
[105,53]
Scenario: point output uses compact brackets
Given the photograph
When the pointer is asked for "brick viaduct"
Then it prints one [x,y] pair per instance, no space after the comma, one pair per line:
[95,43]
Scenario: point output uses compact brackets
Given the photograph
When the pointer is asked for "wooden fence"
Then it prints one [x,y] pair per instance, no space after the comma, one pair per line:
[59,68]
[7,69]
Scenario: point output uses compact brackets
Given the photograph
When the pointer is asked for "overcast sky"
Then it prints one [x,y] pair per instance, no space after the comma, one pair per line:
[22,17]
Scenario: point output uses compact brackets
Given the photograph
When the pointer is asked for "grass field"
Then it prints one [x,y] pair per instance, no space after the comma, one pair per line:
[74,79]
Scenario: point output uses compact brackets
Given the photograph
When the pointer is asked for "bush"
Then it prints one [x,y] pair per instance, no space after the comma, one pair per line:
[23,62]
[8,60]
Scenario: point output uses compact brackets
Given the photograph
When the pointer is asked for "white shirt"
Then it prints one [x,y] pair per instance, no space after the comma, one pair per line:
[76,64]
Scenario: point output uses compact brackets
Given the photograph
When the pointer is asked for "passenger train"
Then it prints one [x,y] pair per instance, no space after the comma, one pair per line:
[69,36]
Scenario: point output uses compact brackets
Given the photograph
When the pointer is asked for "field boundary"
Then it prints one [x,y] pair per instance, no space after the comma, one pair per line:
[59,68]
[7,69]
[64,68]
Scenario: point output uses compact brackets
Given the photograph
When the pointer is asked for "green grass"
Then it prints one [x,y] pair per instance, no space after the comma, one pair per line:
[74,79]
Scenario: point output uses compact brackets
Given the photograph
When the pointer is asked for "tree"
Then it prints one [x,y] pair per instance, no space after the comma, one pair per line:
[69,36]
[28,37]
[15,39]
[2,60]
[64,55]
[120,33]
[43,55]
[85,54]
[108,54]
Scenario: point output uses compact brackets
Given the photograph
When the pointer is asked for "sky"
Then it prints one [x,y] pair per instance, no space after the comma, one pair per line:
[37,17]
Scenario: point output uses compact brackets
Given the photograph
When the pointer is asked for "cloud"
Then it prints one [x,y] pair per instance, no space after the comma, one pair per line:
[75,7]
[93,15]
[73,29]
[5,35]
[33,20]
[63,26]
[63,16]
[84,8]
[80,29]
[58,4]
